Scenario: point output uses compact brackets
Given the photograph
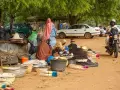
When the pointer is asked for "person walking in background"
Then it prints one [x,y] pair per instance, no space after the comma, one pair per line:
[67,26]
[61,26]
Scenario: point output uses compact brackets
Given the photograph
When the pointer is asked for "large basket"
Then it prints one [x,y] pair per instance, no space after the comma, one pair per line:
[58,65]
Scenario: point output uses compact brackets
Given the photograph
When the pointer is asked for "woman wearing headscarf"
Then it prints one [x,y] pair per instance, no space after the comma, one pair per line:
[50,32]
[56,52]
[57,49]
[66,48]
[44,48]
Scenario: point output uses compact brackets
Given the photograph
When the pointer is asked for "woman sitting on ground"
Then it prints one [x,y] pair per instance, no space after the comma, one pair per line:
[72,47]
[56,52]
[58,48]
[66,48]
[81,55]
[44,48]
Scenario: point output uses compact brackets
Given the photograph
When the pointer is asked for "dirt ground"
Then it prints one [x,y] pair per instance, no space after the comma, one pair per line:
[104,77]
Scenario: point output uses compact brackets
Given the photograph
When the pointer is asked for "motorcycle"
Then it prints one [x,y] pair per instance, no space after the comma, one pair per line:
[113,45]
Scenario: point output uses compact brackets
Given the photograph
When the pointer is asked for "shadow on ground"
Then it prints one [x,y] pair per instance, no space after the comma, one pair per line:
[105,55]
[76,37]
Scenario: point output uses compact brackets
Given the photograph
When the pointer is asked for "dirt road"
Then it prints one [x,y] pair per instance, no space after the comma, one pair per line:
[104,77]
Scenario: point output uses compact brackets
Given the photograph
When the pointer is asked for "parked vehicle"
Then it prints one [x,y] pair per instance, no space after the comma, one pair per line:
[102,31]
[22,28]
[79,30]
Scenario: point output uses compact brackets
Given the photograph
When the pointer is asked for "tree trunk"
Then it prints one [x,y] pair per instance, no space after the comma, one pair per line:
[72,19]
[0,15]
[11,23]
[96,23]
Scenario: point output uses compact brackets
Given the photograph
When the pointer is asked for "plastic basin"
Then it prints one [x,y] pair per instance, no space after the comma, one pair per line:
[58,65]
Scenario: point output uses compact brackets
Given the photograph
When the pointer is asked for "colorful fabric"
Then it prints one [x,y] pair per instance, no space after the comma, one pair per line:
[48,29]
[66,48]
[50,33]
[33,42]
[53,32]
[61,26]
[52,36]
[52,41]
[49,59]
[44,51]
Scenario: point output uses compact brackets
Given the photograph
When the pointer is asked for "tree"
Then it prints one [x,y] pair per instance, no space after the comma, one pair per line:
[104,10]
[0,14]
[14,7]
[73,10]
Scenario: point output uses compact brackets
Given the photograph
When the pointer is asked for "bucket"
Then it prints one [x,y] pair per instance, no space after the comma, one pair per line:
[24,59]
[58,65]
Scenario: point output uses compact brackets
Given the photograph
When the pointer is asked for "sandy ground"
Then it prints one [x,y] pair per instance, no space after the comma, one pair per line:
[104,77]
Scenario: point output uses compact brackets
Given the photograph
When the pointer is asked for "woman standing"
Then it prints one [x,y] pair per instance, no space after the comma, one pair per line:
[48,41]
[50,32]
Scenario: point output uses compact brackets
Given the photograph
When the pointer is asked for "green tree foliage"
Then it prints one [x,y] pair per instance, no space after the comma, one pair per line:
[15,8]
[73,10]
[104,10]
